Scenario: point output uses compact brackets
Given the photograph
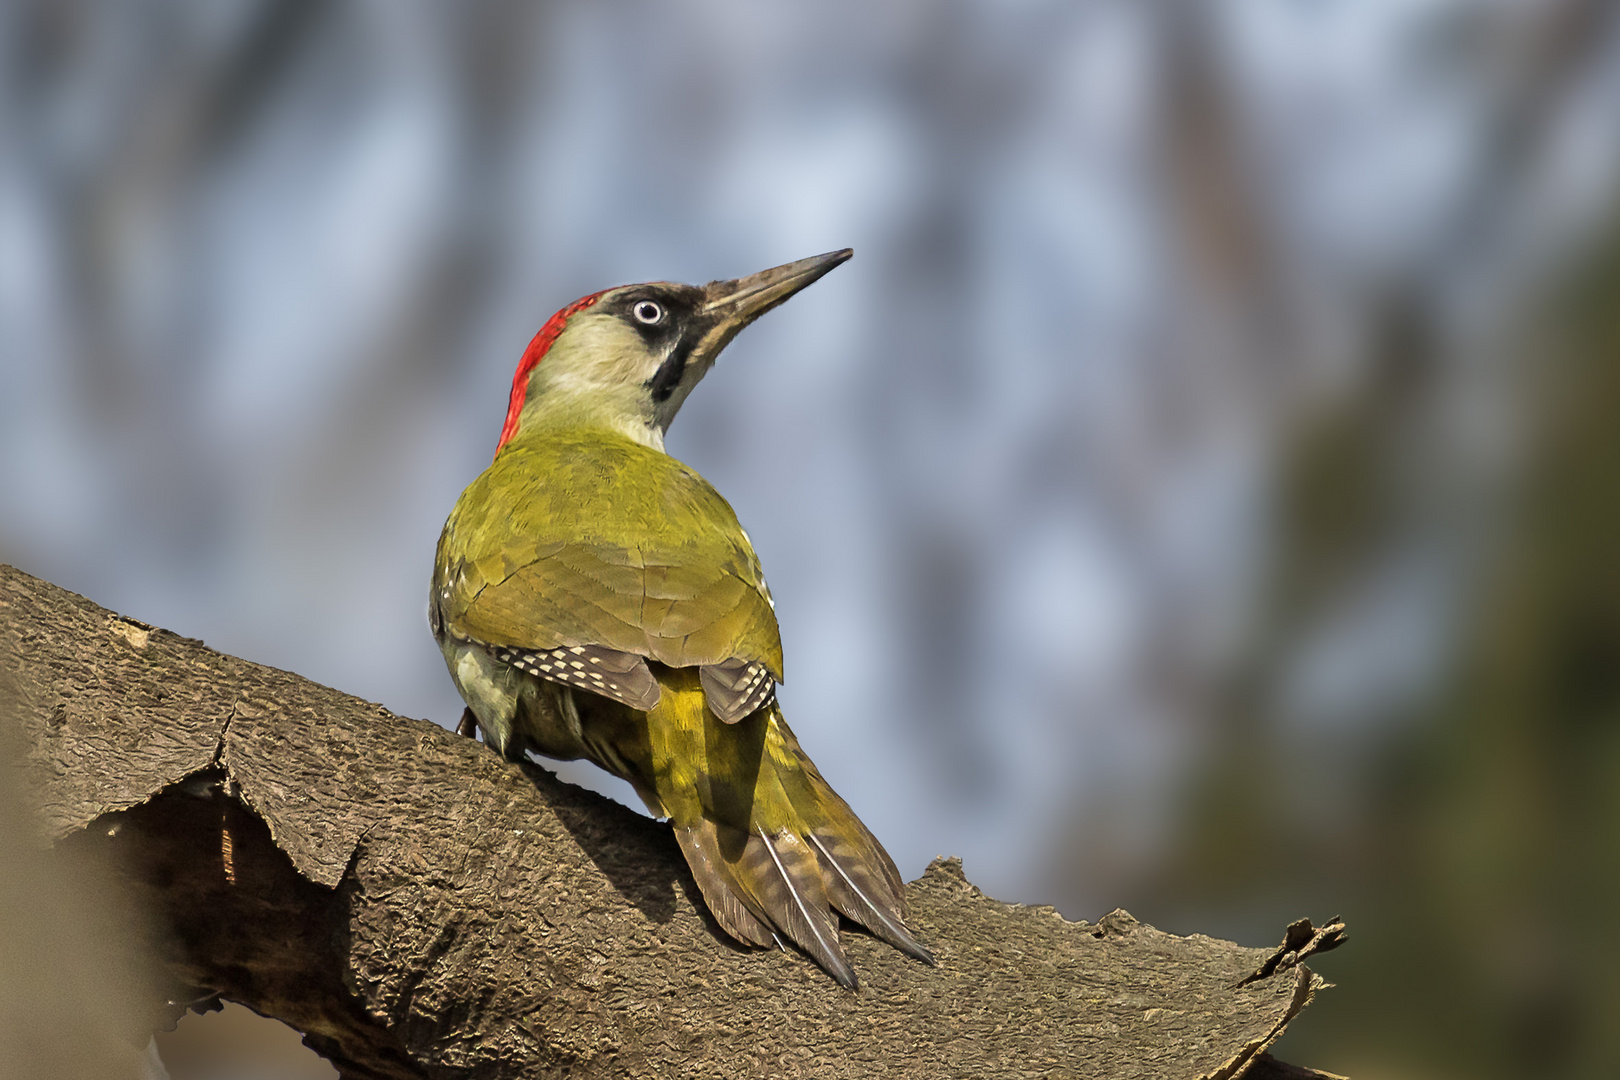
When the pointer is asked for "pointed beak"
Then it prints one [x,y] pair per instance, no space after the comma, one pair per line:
[734,304]
[723,309]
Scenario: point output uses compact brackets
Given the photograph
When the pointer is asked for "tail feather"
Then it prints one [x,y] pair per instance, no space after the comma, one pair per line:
[855,892]
[789,887]
[772,847]
[828,814]
[721,890]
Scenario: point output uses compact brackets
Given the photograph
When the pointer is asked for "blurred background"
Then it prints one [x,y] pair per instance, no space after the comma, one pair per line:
[1201,493]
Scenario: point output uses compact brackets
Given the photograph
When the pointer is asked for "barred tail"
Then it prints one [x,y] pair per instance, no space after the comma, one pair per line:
[773,848]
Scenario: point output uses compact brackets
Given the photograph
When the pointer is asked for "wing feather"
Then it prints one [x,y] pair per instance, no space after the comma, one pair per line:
[587,542]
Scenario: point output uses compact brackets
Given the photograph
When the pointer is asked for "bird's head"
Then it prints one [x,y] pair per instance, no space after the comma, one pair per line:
[626,358]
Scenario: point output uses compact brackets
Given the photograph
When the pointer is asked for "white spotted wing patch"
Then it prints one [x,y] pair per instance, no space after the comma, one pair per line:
[622,676]
[736,688]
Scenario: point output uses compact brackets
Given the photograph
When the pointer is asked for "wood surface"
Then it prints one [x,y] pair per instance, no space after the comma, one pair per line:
[420,907]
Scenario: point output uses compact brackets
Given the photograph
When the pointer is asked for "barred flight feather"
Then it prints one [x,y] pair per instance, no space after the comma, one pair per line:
[613,673]
[737,688]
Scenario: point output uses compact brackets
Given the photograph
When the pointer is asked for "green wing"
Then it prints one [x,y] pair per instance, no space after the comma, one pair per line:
[599,541]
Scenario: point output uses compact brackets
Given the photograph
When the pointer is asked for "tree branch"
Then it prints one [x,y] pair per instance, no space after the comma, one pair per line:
[420,907]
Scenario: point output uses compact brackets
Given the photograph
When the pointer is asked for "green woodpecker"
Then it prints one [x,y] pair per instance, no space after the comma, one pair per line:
[595,598]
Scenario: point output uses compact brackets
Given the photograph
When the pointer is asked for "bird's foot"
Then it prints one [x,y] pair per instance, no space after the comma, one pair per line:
[468,725]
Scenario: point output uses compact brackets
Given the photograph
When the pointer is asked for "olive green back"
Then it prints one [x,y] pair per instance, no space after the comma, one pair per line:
[589,538]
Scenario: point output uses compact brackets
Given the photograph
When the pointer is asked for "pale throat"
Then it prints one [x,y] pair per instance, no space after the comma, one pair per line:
[559,410]
[565,404]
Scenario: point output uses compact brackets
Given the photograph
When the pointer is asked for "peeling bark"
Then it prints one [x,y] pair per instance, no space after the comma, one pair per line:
[420,907]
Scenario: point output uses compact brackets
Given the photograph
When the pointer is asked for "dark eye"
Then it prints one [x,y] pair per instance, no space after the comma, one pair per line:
[647,312]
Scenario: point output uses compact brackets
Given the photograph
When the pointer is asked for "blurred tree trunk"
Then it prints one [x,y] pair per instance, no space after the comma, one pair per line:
[1477,837]
[1475,826]
[1505,812]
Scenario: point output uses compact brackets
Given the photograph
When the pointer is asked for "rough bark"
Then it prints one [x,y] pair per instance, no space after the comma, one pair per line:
[420,907]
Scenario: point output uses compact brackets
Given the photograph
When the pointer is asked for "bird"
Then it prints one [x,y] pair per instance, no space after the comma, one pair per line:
[596,598]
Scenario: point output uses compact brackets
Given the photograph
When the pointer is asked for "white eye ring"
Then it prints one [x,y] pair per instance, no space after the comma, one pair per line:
[647,312]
